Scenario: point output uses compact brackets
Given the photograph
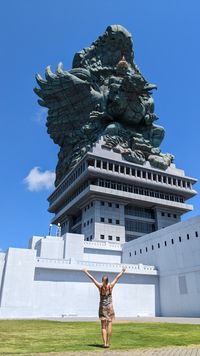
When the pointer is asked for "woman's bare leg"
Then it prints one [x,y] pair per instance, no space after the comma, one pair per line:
[109,332]
[104,331]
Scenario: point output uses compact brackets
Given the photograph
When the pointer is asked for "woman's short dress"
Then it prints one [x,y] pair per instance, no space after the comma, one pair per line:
[106,311]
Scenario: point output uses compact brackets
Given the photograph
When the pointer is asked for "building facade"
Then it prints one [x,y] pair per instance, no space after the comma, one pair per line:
[112,213]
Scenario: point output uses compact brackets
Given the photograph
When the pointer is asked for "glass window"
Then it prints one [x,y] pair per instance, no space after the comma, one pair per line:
[188,236]
[122,169]
[117,206]
[102,219]
[102,237]
[110,166]
[117,238]
[98,164]
[104,165]
[110,221]
[117,222]
[196,233]
[127,170]
[90,163]
[102,203]
[110,205]
[109,237]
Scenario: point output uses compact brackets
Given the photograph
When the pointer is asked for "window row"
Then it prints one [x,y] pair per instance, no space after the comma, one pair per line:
[139,226]
[86,223]
[169,215]
[110,237]
[74,195]
[67,182]
[88,206]
[160,244]
[89,238]
[110,221]
[140,173]
[109,204]
[138,190]
[139,212]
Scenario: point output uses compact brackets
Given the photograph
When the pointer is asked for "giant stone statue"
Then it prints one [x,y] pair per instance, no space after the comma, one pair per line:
[104,94]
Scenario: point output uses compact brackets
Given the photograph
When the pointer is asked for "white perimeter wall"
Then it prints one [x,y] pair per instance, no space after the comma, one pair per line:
[175,252]
[32,286]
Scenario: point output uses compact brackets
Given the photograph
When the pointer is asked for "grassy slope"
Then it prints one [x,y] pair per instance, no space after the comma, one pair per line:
[32,336]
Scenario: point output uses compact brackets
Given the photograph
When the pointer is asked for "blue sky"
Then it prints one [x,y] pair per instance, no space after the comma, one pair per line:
[36,33]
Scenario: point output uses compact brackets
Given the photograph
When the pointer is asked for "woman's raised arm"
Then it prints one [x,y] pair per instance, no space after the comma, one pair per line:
[112,284]
[97,284]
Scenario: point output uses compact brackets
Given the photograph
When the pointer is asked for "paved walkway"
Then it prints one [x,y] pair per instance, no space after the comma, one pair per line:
[180,320]
[168,351]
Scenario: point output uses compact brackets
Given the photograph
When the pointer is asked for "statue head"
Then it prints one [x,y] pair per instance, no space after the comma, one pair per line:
[116,42]
[122,67]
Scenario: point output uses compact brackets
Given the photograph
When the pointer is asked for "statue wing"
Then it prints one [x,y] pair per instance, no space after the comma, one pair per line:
[70,96]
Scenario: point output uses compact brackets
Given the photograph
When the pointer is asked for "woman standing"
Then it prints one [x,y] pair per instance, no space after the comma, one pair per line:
[106,311]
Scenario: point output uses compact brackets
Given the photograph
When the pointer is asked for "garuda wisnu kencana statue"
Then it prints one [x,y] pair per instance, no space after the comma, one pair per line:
[104,94]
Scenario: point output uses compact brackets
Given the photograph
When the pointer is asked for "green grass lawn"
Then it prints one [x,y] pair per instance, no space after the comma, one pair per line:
[37,336]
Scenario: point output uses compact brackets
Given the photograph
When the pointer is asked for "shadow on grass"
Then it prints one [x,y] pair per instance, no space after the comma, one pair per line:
[96,345]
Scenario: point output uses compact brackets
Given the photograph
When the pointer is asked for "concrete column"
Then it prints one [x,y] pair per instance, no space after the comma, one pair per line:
[74,246]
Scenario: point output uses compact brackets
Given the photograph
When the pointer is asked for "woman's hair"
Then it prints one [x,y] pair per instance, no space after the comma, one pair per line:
[105,278]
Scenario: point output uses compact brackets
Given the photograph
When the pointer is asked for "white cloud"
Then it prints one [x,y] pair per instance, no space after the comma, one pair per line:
[37,180]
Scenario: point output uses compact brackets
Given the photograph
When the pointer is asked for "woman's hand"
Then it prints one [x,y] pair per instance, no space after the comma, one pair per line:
[123,269]
[85,270]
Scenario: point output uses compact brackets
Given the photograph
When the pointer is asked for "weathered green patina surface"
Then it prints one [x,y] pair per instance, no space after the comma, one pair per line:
[104,94]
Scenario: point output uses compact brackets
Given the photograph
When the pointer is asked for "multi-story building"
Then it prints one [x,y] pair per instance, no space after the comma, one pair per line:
[107,198]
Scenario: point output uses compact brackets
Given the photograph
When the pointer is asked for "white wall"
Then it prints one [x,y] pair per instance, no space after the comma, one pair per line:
[97,255]
[38,286]
[57,293]
[17,282]
[178,262]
